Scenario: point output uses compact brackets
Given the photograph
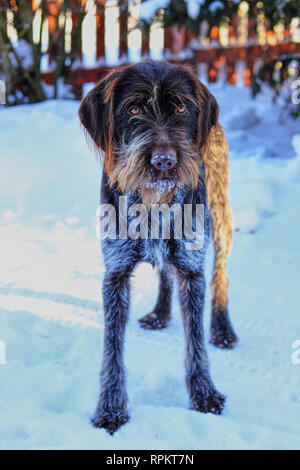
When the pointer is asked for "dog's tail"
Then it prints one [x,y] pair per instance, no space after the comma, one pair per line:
[216,160]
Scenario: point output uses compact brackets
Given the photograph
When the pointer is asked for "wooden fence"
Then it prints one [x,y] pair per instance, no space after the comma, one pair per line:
[245,45]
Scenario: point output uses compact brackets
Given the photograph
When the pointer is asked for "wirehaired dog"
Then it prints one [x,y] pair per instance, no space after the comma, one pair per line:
[157,126]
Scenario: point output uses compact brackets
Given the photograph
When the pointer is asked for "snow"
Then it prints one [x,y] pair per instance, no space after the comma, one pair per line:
[51,316]
[242,117]
[150,7]
[193,8]
[24,54]
[216,5]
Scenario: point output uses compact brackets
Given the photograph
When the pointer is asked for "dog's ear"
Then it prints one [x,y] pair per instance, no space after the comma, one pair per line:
[96,115]
[208,113]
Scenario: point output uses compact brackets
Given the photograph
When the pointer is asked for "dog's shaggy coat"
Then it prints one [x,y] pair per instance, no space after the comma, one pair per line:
[145,117]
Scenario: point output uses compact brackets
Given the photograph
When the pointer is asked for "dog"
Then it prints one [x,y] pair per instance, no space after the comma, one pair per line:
[157,127]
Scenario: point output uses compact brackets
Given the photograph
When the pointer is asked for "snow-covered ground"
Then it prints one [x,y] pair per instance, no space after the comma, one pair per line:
[51,316]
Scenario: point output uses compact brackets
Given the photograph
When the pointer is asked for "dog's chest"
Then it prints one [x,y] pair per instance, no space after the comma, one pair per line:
[155,252]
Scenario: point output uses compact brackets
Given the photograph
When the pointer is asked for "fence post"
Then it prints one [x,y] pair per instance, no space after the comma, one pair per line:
[233,31]
[231,73]
[252,35]
[230,66]
[179,40]
[212,73]
[52,11]
[75,31]
[168,40]
[250,62]
[123,51]
[100,16]
[145,41]
[176,40]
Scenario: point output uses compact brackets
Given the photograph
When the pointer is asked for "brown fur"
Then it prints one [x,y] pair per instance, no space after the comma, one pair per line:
[110,157]
[216,176]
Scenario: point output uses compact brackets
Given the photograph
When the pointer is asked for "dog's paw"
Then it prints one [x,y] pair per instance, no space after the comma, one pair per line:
[209,401]
[110,421]
[153,322]
[222,334]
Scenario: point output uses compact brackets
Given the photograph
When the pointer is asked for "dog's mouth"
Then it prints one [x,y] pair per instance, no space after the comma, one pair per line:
[161,177]
[162,180]
[164,175]
[162,185]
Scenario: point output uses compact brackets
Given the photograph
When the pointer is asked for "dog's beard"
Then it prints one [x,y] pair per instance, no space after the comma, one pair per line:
[132,172]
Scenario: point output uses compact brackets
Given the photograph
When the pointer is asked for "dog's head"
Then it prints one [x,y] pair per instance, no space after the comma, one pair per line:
[152,121]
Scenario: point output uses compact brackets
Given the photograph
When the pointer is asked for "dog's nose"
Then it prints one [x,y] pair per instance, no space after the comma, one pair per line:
[163,161]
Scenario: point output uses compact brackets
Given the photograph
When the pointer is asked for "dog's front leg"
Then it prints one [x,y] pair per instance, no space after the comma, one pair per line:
[111,412]
[203,395]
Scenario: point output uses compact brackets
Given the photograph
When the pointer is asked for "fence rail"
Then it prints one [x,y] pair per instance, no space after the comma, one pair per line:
[216,61]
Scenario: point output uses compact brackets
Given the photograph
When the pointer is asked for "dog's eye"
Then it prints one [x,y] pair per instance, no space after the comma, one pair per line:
[135,110]
[181,109]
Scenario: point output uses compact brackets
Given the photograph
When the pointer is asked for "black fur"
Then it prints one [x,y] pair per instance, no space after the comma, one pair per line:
[222,333]
[160,316]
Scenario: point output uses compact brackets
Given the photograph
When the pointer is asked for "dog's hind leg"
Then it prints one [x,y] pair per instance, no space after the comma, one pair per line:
[160,316]
[216,177]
